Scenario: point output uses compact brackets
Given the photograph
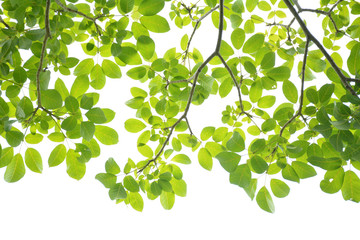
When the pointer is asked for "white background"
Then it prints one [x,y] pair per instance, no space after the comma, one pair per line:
[54,206]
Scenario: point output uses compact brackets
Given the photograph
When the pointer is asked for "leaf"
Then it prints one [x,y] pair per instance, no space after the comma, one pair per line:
[111,69]
[126,5]
[258,164]
[268,125]
[181,158]
[325,163]
[33,160]
[107,179]
[6,156]
[264,200]
[57,155]
[238,38]
[279,73]
[117,191]
[51,99]
[303,170]
[4,108]
[137,73]
[87,130]
[84,67]
[133,125]
[333,181]
[71,104]
[74,168]
[96,115]
[206,133]
[130,184]
[136,201]
[325,92]
[266,101]
[289,173]
[228,160]
[236,143]
[351,187]
[167,200]
[97,77]
[146,46]
[112,167]
[290,91]
[15,170]
[353,62]
[14,138]
[251,4]
[279,188]
[156,23]
[151,7]
[241,176]
[205,159]
[254,43]
[179,187]
[80,86]
[106,135]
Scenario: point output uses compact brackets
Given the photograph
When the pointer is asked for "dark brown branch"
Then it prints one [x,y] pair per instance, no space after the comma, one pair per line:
[311,37]
[43,51]
[301,98]
[93,19]
[3,22]
[196,76]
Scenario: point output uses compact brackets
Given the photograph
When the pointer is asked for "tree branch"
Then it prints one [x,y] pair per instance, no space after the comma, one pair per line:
[196,76]
[311,37]
[3,22]
[93,19]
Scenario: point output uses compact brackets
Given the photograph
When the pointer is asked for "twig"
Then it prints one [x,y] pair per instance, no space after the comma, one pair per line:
[311,37]
[93,19]
[196,76]
[3,22]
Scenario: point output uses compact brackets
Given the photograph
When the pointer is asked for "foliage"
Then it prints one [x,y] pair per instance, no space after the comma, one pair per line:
[316,127]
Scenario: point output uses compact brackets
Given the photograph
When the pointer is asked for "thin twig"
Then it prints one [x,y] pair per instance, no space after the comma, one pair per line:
[196,76]
[93,19]
[311,37]
[3,22]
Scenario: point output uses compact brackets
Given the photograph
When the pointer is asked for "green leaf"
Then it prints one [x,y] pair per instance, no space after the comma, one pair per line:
[279,73]
[130,56]
[236,143]
[4,108]
[107,179]
[15,170]
[351,187]
[136,201]
[111,69]
[6,156]
[137,73]
[290,91]
[151,7]
[133,125]
[353,62]
[33,160]
[51,99]
[254,43]
[71,104]
[290,174]
[303,170]
[87,130]
[205,159]
[268,125]
[126,5]
[325,92]
[14,138]
[57,155]
[325,163]
[266,101]
[74,168]
[112,167]
[333,181]
[264,200]
[106,135]
[279,188]
[117,191]
[35,35]
[258,146]
[258,164]
[268,60]
[167,200]
[238,38]
[179,187]
[206,133]
[56,137]
[156,23]
[228,160]
[80,86]
[181,158]
[19,75]
[255,91]
[69,123]
[251,4]
[84,67]
[96,115]
[241,176]
[146,46]
[97,77]
[130,184]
